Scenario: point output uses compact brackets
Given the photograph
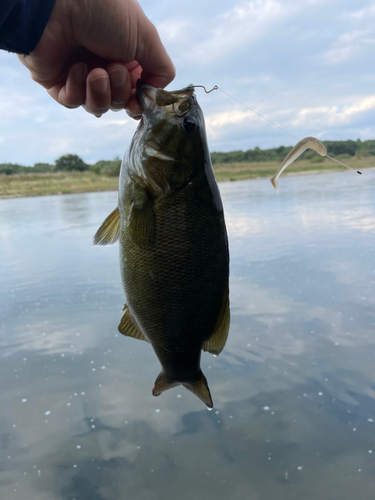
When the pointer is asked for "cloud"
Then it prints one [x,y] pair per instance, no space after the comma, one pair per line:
[171,30]
[14,104]
[237,27]
[257,79]
[359,15]
[345,47]
[333,116]
[217,121]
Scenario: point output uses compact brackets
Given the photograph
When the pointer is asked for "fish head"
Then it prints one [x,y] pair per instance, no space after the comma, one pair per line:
[170,145]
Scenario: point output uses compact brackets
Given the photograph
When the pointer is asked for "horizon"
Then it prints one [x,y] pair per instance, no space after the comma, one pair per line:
[117,158]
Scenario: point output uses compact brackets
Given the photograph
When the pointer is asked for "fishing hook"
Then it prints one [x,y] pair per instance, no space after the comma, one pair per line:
[207,91]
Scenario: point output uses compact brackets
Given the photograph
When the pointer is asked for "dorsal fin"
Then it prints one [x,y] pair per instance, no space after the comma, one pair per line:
[129,328]
[109,231]
[215,344]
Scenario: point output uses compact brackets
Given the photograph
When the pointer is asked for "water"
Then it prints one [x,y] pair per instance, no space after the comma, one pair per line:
[294,390]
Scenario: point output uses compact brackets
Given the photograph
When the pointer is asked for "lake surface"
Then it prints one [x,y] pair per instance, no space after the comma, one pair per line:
[293,391]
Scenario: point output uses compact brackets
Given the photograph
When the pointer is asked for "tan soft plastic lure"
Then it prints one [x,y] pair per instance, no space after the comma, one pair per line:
[299,148]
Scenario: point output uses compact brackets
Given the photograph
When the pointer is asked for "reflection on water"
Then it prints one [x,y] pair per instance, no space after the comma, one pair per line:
[294,390]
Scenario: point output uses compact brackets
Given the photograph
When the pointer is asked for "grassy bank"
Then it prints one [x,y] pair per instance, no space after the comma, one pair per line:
[85,182]
[55,183]
[242,171]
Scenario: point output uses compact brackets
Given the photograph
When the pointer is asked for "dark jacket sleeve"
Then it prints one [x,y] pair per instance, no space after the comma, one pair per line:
[22,23]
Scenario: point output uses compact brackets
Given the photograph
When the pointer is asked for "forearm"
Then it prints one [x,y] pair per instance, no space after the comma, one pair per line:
[22,23]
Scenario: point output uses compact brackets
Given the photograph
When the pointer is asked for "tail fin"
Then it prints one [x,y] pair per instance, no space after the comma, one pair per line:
[162,384]
[199,388]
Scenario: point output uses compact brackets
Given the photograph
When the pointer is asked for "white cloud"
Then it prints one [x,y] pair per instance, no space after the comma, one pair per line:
[333,116]
[171,30]
[361,14]
[258,79]
[14,104]
[219,120]
[60,145]
[345,47]
[237,27]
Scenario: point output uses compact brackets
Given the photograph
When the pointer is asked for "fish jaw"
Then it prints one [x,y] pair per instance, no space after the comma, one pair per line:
[146,96]
[150,97]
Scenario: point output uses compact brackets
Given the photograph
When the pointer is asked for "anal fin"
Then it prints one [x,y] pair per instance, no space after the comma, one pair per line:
[109,231]
[215,344]
[129,328]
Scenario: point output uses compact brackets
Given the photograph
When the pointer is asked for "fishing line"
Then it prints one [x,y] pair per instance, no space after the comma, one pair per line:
[256,112]
[269,121]
[337,161]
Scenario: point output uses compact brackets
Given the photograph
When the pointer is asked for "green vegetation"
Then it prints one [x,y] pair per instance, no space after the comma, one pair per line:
[70,174]
[70,163]
[106,167]
[242,171]
[343,149]
[66,163]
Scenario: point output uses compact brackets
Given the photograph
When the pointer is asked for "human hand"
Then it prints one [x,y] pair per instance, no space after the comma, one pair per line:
[92,52]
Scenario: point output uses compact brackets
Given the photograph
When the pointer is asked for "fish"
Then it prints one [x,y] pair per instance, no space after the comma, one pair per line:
[174,257]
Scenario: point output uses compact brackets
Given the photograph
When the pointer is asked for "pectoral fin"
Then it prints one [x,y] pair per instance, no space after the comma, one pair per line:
[142,218]
[215,344]
[128,327]
[109,231]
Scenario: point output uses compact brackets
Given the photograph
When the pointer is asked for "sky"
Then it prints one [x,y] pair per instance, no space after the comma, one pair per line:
[307,66]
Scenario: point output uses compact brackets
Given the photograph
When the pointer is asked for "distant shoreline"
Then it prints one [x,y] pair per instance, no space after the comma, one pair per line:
[59,183]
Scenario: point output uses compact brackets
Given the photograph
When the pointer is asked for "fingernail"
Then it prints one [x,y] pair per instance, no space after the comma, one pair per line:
[136,116]
[80,71]
[118,76]
[100,84]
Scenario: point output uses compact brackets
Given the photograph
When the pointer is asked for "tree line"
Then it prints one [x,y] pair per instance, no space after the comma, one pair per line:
[111,168]
[339,149]
[66,163]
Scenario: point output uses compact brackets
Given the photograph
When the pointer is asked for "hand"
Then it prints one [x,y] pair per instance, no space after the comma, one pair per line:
[92,52]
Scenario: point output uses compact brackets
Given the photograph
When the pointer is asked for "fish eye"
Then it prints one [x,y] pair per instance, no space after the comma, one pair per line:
[189,124]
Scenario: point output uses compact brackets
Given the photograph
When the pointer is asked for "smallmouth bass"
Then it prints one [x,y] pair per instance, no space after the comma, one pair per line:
[174,257]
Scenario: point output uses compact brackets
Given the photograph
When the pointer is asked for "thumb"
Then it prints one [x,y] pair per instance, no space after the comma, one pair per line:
[157,67]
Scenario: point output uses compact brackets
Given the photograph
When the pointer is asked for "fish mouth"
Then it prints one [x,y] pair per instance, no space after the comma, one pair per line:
[149,96]
[146,95]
